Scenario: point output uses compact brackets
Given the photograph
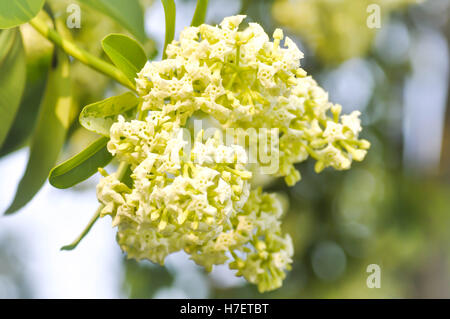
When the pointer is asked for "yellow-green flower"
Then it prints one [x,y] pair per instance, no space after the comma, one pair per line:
[336,30]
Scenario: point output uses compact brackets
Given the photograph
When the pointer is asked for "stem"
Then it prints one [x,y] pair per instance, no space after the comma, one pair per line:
[169,13]
[120,174]
[85,231]
[141,113]
[80,54]
[200,13]
[121,170]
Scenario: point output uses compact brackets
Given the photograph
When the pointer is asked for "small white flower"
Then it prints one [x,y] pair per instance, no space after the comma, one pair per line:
[352,122]
[333,131]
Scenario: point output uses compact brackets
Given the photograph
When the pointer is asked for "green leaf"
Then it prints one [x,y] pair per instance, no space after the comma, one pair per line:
[81,166]
[125,53]
[6,39]
[200,13]
[127,13]
[12,78]
[169,13]
[49,134]
[98,117]
[16,12]
[22,126]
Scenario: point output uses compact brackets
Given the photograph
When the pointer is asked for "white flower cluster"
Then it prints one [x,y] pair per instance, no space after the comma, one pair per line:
[200,200]
[196,201]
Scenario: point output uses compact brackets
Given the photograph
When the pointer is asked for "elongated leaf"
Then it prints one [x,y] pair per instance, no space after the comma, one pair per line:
[12,78]
[81,166]
[200,13]
[170,14]
[98,117]
[7,41]
[127,13]
[22,127]
[16,12]
[49,134]
[38,56]
[125,53]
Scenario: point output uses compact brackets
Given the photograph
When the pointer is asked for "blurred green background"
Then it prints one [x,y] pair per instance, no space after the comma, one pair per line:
[393,209]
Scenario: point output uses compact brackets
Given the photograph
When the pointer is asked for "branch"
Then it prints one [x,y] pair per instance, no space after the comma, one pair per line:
[80,54]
